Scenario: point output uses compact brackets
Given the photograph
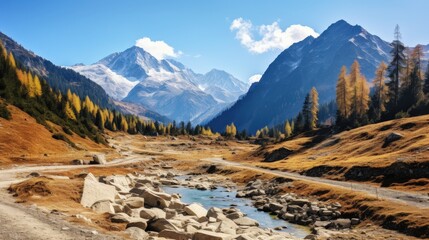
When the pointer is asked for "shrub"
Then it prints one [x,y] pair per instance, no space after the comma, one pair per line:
[4,112]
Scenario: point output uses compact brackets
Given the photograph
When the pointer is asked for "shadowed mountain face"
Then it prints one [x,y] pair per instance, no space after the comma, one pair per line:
[57,77]
[312,62]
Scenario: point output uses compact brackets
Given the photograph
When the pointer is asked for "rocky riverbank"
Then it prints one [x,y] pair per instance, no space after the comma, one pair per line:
[149,213]
[266,196]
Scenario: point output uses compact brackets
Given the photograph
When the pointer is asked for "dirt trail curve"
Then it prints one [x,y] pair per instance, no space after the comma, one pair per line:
[413,199]
[23,222]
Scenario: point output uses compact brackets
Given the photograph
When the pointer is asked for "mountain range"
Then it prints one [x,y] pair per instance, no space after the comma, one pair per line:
[280,93]
[165,86]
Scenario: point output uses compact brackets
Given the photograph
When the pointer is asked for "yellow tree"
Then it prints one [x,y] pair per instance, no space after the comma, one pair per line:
[362,98]
[3,49]
[288,129]
[69,111]
[37,86]
[354,79]
[314,96]
[11,60]
[233,130]
[30,85]
[76,102]
[343,94]
[380,97]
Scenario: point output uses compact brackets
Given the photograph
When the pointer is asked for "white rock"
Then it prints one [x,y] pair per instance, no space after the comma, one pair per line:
[95,191]
[196,210]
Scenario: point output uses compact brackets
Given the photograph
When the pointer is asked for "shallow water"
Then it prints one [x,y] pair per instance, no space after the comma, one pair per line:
[222,199]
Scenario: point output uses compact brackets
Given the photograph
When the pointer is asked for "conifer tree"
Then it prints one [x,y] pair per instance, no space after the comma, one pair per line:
[69,111]
[395,69]
[343,96]
[306,112]
[30,85]
[37,86]
[412,92]
[314,97]
[288,129]
[426,83]
[11,60]
[379,99]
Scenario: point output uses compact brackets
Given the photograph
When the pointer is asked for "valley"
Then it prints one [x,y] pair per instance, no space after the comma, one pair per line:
[222,120]
[228,163]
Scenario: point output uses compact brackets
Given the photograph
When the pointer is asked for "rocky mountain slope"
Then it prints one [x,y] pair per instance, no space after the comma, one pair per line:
[312,62]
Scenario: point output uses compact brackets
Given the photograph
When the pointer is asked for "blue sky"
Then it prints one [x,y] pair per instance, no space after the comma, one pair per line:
[82,31]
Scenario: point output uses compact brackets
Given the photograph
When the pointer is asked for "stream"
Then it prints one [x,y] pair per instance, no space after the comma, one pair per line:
[221,198]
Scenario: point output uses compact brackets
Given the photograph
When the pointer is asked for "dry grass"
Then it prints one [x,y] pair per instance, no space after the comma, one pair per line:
[24,141]
[358,147]
[63,196]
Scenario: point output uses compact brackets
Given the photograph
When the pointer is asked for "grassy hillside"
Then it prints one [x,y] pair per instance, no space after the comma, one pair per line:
[360,154]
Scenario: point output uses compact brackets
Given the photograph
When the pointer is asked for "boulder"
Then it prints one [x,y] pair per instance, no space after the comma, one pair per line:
[300,202]
[138,223]
[275,206]
[339,223]
[245,221]
[392,137]
[99,159]
[103,206]
[215,213]
[161,224]
[120,218]
[156,199]
[234,215]
[137,233]
[134,202]
[208,235]
[177,205]
[152,213]
[196,210]
[177,235]
[94,191]
[77,162]
[227,226]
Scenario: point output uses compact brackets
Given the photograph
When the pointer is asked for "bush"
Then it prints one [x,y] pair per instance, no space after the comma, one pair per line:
[4,112]
[67,131]
[60,136]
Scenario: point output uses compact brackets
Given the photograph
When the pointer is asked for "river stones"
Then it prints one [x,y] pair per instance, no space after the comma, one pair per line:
[245,221]
[196,210]
[94,191]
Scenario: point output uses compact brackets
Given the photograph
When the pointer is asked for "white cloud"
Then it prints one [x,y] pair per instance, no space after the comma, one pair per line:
[272,36]
[158,49]
[255,78]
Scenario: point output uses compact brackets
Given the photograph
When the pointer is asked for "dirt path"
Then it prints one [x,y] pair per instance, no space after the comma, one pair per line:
[413,199]
[23,222]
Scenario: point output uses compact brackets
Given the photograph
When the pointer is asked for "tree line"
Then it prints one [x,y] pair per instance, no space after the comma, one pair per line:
[32,94]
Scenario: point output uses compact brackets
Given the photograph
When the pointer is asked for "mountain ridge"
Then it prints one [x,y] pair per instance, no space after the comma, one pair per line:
[310,62]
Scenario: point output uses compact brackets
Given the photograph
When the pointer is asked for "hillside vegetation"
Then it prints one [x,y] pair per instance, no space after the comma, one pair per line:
[361,154]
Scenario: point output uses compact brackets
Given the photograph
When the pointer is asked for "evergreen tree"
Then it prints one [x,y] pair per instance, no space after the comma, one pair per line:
[306,112]
[426,83]
[343,96]
[395,69]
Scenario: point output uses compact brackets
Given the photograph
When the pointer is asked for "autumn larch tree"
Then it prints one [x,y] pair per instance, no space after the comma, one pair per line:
[343,96]
[288,129]
[412,91]
[379,99]
[314,98]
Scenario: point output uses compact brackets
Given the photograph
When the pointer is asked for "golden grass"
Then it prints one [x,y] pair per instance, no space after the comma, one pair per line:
[24,141]
[63,196]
